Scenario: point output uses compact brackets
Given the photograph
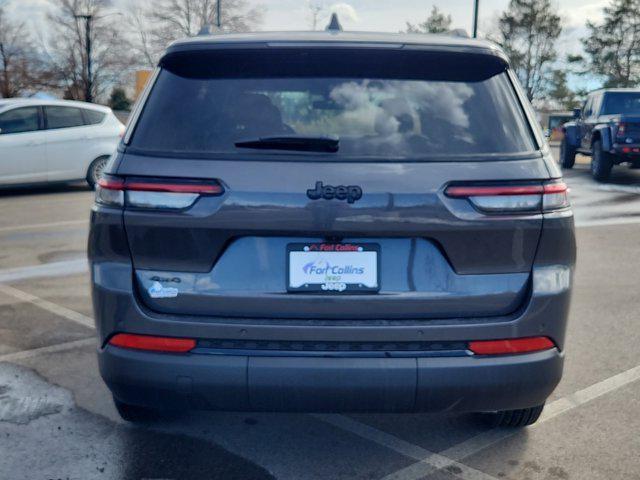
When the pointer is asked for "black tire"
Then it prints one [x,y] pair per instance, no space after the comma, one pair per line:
[135,413]
[601,162]
[95,170]
[516,418]
[567,154]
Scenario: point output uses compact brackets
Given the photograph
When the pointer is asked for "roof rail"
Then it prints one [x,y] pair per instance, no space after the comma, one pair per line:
[334,24]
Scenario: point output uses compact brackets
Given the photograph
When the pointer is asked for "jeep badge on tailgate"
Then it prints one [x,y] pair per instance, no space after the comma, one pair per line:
[350,193]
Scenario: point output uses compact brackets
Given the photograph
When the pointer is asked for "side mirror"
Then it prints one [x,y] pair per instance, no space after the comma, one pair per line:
[577,112]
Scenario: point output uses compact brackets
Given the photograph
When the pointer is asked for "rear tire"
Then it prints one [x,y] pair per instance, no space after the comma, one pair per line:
[95,170]
[135,413]
[601,162]
[567,154]
[516,418]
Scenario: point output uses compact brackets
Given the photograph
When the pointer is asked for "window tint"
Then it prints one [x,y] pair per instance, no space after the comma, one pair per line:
[622,102]
[93,117]
[372,117]
[19,120]
[63,117]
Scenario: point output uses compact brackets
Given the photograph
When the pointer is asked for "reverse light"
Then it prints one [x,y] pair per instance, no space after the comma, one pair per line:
[152,343]
[510,346]
[158,193]
[510,199]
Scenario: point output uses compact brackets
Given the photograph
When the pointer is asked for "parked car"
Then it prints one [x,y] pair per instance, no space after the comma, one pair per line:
[607,128]
[332,222]
[55,141]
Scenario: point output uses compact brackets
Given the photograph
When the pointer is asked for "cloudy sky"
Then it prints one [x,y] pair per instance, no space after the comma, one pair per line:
[380,15]
[377,15]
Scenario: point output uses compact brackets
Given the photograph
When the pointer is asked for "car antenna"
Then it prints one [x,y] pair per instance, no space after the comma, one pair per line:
[334,24]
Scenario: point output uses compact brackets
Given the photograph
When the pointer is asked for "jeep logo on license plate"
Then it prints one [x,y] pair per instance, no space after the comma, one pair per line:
[350,193]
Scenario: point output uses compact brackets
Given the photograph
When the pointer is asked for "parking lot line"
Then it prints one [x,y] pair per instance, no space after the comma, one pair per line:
[34,352]
[429,461]
[47,305]
[37,226]
[469,447]
[51,269]
[610,222]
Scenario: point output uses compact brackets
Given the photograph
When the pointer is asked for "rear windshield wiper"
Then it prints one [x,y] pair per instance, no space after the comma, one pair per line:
[293,142]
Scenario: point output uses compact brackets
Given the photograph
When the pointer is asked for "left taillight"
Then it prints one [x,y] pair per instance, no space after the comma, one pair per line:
[152,343]
[154,193]
[513,199]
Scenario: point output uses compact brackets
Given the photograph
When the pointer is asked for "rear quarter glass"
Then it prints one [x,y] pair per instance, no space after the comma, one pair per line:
[437,111]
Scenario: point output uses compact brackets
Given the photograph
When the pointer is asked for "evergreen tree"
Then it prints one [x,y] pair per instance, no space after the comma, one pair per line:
[437,22]
[613,47]
[119,100]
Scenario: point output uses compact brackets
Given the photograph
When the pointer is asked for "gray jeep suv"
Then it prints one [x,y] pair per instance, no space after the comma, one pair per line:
[332,222]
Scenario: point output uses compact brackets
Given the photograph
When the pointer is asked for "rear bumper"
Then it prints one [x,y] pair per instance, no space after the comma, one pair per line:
[330,384]
[628,152]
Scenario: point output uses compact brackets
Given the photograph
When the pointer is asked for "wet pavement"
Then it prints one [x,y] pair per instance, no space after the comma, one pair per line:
[57,420]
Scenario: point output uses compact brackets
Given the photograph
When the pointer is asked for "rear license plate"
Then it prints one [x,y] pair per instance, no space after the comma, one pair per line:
[333,267]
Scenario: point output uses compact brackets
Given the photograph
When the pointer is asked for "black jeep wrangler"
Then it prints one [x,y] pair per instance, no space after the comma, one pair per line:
[607,128]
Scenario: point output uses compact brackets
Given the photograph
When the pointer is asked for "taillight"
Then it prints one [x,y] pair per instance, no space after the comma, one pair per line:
[152,343]
[511,199]
[555,197]
[511,346]
[163,193]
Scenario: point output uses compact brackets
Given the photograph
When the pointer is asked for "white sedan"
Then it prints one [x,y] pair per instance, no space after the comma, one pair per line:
[55,141]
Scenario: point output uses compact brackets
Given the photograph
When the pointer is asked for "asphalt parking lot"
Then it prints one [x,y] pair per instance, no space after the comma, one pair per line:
[57,420]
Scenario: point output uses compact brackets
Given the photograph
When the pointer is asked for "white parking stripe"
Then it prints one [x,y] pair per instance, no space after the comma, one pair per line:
[34,352]
[469,447]
[47,305]
[37,226]
[429,461]
[609,187]
[52,269]
[606,223]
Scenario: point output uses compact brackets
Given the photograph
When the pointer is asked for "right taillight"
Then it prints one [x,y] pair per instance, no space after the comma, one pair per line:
[154,193]
[513,199]
[555,196]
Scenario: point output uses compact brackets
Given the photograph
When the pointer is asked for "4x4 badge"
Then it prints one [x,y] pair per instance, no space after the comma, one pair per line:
[350,193]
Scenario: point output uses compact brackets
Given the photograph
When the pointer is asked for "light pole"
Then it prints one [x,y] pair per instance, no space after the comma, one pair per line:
[218,9]
[475,18]
[88,94]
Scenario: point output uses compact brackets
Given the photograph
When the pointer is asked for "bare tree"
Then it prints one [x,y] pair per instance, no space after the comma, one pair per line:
[17,65]
[87,51]
[316,10]
[164,21]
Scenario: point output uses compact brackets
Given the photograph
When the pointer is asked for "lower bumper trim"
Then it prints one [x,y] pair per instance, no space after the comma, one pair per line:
[330,384]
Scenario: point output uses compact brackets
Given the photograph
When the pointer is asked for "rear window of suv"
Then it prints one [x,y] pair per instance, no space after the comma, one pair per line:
[422,116]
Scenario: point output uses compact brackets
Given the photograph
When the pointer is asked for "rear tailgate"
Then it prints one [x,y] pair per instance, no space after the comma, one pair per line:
[439,257]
